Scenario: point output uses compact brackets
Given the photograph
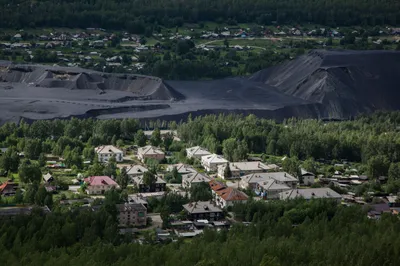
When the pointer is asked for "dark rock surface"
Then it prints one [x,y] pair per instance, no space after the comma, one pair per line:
[321,84]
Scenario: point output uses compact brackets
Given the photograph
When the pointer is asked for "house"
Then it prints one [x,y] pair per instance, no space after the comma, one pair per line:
[136,170]
[239,169]
[150,152]
[8,188]
[196,152]
[99,184]
[307,177]
[182,169]
[104,153]
[203,210]
[132,214]
[376,210]
[216,186]
[211,162]
[3,150]
[252,180]
[270,189]
[159,185]
[229,196]
[194,178]
[393,201]
[310,193]
[48,178]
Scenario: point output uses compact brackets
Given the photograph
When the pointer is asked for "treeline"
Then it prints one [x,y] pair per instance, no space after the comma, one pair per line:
[143,17]
[326,233]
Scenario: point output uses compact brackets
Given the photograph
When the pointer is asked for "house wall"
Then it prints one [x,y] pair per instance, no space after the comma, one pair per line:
[210,216]
[308,180]
[98,190]
[158,157]
[104,157]
[132,217]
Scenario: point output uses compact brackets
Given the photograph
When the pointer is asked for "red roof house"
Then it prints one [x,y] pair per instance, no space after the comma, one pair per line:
[99,184]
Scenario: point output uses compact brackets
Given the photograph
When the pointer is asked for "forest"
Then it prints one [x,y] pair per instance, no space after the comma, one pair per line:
[317,232]
[140,17]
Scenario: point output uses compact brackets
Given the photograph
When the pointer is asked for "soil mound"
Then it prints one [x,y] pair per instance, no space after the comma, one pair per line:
[346,82]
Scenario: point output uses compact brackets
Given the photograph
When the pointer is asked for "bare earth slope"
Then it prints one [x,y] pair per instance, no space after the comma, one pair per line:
[321,84]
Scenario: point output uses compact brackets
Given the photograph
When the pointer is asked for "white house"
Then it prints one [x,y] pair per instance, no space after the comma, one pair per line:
[307,177]
[99,184]
[194,178]
[196,152]
[239,169]
[230,196]
[150,152]
[269,185]
[104,153]
[211,162]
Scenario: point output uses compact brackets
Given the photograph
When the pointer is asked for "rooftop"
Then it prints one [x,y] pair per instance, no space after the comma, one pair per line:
[232,194]
[216,185]
[139,180]
[136,169]
[310,193]
[197,150]
[195,178]
[107,149]
[278,176]
[100,181]
[248,166]
[213,158]
[201,207]
[131,207]
[150,150]
[182,168]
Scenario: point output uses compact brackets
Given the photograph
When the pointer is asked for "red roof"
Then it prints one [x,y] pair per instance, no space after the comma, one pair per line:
[215,185]
[5,184]
[100,181]
[232,194]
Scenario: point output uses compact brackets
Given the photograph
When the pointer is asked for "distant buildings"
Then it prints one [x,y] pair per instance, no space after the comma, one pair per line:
[211,162]
[99,184]
[196,152]
[132,214]
[104,153]
[239,169]
[150,152]
[203,210]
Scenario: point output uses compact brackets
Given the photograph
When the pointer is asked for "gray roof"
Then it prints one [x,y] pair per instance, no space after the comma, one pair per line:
[136,169]
[272,185]
[197,150]
[182,169]
[195,178]
[139,180]
[47,177]
[201,207]
[309,193]
[304,172]
[13,211]
[131,207]
[150,150]
[260,177]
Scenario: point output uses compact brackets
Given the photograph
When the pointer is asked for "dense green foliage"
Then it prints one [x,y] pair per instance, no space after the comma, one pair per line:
[142,18]
[324,234]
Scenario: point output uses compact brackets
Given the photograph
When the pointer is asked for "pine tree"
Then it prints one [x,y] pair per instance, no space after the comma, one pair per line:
[123,178]
[227,172]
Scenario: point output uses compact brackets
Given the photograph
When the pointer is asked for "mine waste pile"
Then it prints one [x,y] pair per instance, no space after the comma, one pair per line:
[322,84]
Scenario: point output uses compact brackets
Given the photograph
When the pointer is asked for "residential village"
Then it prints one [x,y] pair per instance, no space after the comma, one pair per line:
[109,51]
[153,174]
